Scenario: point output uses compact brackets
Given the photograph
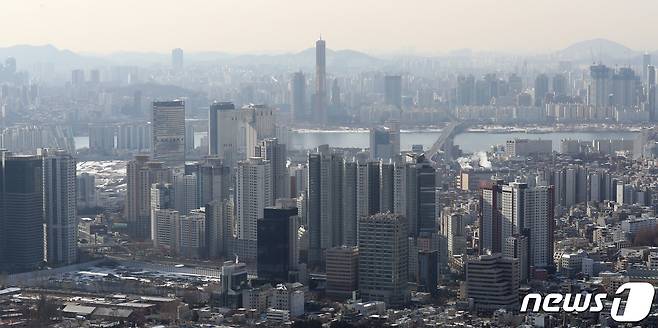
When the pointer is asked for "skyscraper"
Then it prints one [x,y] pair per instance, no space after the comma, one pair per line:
[141,173]
[349,203]
[214,180]
[277,244]
[168,132]
[419,193]
[298,97]
[646,62]
[651,92]
[219,227]
[383,258]
[541,89]
[22,225]
[393,90]
[320,105]
[271,150]
[59,194]
[600,86]
[177,59]
[218,128]
[253,193]
[324,202]
[234,133]
[512,209]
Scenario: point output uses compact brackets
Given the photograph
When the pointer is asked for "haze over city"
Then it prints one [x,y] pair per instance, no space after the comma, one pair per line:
[337,164]
[377,27]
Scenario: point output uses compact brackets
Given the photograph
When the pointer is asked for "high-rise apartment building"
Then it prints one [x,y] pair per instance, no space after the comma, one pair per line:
[253,194]
[60,209]
[324,202]
[511,209]
[101,139]
[271,150]
[191,234]
[168,132]
[141,173]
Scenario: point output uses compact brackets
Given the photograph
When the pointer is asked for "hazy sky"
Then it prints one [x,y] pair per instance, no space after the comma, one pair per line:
[378,26]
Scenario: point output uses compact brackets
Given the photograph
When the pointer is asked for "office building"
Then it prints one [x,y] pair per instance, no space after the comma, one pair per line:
[233,281]
[168,132]
[177,59]
[428,272]
[342,272]
[541,89]
[60,209]
[528,147]
[393,90]
[383,256]
[416,194]
[277,244]
[492,282]
[298,97]
[385,142]
[219,131]
[22,226]
[600,86]
[320,97]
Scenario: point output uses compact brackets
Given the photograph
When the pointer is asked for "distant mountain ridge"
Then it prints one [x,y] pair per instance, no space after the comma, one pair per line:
[28,56]
[596,49]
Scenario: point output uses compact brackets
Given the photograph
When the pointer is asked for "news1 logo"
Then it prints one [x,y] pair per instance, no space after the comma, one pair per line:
[638,302]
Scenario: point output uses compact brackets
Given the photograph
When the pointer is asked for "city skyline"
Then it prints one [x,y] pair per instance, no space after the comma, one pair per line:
[430,27]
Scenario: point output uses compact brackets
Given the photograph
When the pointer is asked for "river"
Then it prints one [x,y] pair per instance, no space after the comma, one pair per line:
[469,142]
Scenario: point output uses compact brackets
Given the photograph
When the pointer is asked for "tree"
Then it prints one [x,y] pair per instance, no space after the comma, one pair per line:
[341,324]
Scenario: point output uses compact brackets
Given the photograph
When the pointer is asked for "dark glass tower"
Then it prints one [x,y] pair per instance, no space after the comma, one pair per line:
[277,251]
